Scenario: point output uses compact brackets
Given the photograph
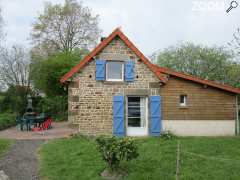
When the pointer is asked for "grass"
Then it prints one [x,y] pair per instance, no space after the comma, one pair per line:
[4,144]
[70,159]
[201,158]
[7,120]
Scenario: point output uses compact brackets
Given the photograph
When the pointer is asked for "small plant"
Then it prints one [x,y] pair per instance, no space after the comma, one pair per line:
[114,150]
[167,135]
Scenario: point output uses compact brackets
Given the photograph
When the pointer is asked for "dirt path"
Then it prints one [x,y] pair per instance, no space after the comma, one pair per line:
[21,163]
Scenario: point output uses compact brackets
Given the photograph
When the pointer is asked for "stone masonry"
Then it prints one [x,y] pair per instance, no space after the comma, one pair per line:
[90,101]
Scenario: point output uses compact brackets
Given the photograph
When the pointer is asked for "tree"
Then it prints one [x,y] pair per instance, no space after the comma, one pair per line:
[2,34]
[235,43]
[46,74]
[215,63]
[65,27]
[14,67]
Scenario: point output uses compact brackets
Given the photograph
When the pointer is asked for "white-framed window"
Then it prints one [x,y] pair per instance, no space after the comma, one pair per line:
[114,71]
[183,100]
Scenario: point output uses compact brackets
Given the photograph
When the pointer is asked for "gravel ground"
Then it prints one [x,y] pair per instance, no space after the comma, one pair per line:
[21,163]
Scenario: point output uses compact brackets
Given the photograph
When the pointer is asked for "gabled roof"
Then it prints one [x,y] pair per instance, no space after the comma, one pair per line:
[158,71]
[197,80]
[103,44]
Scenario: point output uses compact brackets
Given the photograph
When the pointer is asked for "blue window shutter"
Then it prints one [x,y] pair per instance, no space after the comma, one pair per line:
[118,116]
[100,70]
[155,114]
[129,71]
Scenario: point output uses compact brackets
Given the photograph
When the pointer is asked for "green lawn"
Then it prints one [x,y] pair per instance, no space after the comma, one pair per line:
[201,158]
[4,144]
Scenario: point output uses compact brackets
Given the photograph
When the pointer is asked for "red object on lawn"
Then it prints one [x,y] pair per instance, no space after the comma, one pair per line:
[44,126]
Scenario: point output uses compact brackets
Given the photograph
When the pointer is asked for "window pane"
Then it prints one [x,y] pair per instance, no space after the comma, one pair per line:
[133,112]
[134,122]
[133,101]
[114,70]
[136,111]
[182,99]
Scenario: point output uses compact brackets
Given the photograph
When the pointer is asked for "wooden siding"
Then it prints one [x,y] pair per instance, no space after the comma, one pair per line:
[203,102]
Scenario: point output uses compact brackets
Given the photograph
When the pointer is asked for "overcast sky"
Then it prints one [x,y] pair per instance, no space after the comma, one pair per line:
[150,24]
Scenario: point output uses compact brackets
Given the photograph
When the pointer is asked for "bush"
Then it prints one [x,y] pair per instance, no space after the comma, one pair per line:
[14,100]
[55,106]
[114,150]
[7,120]
[167,135]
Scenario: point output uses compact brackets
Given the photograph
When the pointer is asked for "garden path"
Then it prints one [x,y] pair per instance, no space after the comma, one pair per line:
[21,160]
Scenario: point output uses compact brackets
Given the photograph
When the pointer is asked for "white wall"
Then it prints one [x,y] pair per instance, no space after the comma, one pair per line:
[200,127]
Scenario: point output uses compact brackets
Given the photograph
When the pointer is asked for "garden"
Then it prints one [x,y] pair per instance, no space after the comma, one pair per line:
[199,158]
[60,36]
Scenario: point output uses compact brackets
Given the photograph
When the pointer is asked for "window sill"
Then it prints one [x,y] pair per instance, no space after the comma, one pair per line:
[183,107]
[114,82]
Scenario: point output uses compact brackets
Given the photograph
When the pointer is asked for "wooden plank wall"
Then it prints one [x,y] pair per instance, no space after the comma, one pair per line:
[203,103]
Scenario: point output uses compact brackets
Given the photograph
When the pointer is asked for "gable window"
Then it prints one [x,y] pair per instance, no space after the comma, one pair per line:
[183,100]
[114,71]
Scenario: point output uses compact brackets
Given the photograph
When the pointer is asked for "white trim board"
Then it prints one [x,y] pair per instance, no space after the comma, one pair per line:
[200,127]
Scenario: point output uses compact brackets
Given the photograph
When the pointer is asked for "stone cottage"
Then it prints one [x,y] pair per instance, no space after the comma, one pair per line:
[116,90]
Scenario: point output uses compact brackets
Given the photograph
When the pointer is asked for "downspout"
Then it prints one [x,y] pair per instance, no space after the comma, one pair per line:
[237,119]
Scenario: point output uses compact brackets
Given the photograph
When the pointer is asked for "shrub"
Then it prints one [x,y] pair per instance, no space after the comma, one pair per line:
[167,135]
[14,100]
[55,106]
[7,120]
[114,150]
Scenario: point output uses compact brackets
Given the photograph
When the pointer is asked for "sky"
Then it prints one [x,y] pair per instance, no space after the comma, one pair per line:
[151,25]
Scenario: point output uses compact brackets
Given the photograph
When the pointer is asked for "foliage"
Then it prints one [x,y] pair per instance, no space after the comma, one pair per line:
[7,120]
[46,74]
[14,100]
[208,63]
[167,135]
[55,106]
[65,27]
[114,150]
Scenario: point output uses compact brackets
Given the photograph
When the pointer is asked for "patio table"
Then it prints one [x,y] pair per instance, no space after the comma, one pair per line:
[28,121]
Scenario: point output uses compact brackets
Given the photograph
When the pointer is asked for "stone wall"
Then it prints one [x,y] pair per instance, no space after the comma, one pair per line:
[90,101]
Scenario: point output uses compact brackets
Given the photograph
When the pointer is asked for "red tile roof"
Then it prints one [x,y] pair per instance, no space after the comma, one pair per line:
[158,71]
[197,80]
[104,43]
